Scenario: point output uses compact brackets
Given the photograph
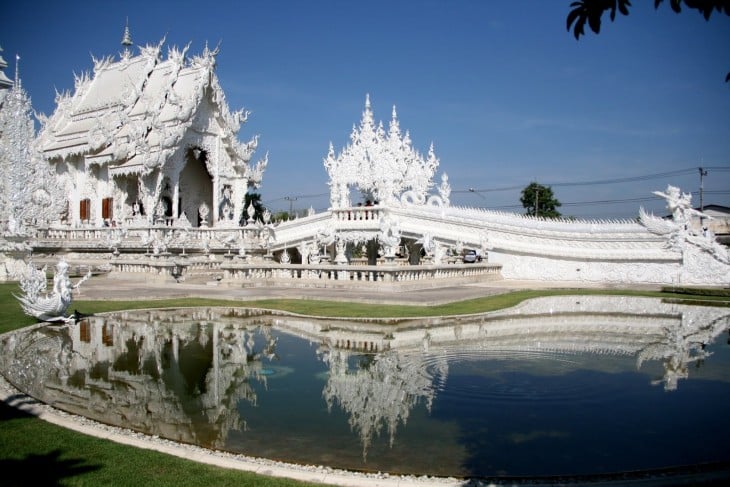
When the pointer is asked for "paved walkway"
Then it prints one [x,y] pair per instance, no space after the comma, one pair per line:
[123,287]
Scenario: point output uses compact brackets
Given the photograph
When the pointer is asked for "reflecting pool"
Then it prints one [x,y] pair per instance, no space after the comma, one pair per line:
[576,385]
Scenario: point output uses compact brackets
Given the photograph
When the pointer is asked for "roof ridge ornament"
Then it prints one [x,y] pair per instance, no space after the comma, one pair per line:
[4,80]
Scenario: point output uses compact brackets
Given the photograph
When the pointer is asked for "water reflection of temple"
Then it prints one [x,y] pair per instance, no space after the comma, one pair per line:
[181,373]
[381,391]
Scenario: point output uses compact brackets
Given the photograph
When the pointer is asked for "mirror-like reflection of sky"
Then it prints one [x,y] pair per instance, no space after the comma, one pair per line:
[556,386]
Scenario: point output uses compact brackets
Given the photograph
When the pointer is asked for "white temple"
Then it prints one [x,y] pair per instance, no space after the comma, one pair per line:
[149,137]
[140,170]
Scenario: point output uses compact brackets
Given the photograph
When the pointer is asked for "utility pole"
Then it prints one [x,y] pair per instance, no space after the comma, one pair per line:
[703,173]
[537,190]
[291,200]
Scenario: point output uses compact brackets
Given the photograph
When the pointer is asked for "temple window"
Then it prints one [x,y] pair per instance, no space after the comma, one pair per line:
[85,209]
[107,205]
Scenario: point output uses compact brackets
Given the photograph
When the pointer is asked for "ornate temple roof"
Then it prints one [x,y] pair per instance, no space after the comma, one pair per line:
[5,82]
[133,112]
[381,164]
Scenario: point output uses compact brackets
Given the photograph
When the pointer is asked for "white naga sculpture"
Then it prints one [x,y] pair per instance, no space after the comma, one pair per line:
[38,303]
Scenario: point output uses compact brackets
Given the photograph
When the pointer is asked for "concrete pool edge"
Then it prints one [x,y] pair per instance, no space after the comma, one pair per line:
[308,473]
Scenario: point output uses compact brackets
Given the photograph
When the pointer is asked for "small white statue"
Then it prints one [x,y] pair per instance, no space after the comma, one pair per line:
[161,210]
[251,211]
[41,305]
[203,212]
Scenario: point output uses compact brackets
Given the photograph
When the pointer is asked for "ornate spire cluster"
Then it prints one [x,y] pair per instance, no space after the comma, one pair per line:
[382,165]
[29,192]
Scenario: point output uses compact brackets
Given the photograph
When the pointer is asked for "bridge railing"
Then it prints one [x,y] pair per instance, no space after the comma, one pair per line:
[232,271]
[358,213]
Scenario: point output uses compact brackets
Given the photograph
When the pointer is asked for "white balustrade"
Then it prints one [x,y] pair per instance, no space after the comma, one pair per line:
[234,272]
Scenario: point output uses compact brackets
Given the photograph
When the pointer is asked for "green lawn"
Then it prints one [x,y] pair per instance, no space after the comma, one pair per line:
[34,452]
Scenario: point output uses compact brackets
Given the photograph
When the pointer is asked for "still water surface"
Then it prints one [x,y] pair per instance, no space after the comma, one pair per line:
[556,386]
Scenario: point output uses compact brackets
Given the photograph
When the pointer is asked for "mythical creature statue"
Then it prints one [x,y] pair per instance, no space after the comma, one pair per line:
[678,231]
[37,302]
[680,205]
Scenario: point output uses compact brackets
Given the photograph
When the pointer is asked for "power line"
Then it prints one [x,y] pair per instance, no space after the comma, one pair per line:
[472,190]
[296,197]
[679,172]
[610,202]
[615,201]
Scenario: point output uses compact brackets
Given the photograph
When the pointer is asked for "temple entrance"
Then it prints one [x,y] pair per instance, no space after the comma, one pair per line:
[196,187]
[167,201]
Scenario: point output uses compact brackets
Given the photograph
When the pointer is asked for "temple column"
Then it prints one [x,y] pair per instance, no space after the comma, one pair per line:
[176,198]
[216,182]
[98,210]
[216,200]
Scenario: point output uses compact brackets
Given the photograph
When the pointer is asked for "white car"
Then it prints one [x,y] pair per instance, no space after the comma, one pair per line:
[471,256]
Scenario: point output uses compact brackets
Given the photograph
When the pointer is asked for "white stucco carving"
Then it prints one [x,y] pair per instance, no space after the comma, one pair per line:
[40,304]
[383,166]
[29,193]
[678,231]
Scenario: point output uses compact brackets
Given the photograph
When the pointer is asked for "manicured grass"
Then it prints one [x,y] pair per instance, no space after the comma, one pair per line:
[365,310]
[33,452]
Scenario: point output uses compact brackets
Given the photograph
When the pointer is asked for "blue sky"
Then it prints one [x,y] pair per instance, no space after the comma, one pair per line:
[504,92]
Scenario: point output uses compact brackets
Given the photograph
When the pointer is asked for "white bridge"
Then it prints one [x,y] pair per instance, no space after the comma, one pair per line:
[344,246]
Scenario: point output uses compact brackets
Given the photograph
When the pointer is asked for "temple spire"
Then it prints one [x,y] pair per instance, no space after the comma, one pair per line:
[127,40]
[17,70]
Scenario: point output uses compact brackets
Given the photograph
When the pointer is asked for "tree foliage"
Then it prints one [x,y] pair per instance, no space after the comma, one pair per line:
[591,12]
[539,200]
[259,208]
